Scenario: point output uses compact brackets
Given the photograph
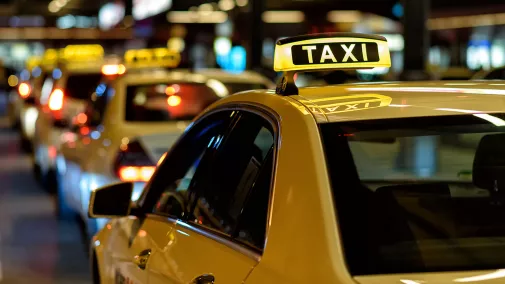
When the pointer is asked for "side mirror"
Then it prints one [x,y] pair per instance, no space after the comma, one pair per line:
[111,201]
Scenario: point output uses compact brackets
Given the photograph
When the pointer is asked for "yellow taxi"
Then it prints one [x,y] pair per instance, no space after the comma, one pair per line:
[355,183]
[62,96]
[136,111]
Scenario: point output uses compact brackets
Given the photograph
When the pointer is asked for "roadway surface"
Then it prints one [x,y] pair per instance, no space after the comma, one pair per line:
[34,246]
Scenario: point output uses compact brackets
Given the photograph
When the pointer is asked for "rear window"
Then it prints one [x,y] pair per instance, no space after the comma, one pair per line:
[422,194]
[81,86]
[165,102]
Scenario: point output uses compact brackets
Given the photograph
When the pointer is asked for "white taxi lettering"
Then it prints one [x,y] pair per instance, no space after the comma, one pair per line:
[363,49]
[348,52]
[309,49]
[327,54]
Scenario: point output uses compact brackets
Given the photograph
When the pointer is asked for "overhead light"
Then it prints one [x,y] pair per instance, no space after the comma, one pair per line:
[283,16]
[344,16]
[143,9]
[189,17]
[226,5]
[242,3]
[53,7]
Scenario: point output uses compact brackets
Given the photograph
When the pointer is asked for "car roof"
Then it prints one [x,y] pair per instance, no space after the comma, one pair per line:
[368,101]
[147,75]
[402,99]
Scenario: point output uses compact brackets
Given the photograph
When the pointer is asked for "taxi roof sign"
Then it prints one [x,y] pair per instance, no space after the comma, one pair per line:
[329,51]
[82,52]
[149,58]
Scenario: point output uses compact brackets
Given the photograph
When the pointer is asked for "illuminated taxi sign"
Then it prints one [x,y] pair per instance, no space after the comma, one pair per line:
[82,52]
[156,57]
[331,51]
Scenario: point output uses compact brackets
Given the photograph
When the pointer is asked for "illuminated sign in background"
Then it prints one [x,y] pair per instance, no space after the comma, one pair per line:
[143,9]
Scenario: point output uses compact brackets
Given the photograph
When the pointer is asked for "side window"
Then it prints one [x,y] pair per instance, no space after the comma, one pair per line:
[235,182]
[168,194]
[227,187]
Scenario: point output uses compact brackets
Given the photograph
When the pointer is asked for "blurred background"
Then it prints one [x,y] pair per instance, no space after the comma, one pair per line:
[439,40]
[240,34]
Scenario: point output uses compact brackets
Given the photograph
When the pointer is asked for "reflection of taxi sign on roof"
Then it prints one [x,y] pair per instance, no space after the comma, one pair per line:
[82,52]
[330,51]
[156,57]
[341,104]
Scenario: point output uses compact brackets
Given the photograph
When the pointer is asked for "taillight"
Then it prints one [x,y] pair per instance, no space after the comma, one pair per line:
[136,173]
[24,90]
[56,100]
[133,164]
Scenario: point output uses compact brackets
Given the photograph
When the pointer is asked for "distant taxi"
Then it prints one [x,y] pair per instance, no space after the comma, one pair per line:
[63,95]
[134,114]
[354,183]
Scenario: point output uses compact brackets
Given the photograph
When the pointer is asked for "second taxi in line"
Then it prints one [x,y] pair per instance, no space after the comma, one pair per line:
[115,138]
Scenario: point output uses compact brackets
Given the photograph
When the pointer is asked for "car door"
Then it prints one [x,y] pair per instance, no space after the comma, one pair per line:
[136,239]
[204,224]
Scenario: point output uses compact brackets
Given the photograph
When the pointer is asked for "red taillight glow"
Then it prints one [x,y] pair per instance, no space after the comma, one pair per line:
[136,173]
[56,100]
[81,118]
[24,90]
[174,101]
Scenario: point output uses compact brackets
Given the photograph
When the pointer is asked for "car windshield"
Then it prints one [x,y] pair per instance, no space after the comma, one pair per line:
[81,86]
[180,101]
[420,194]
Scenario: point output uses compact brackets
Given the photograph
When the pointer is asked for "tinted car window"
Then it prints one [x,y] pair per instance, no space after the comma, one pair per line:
[419,194]
[168,194]
[226,187]
[227,174]
[81,86]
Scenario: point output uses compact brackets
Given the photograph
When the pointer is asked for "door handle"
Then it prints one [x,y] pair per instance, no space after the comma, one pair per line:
[141,259]
[204,279]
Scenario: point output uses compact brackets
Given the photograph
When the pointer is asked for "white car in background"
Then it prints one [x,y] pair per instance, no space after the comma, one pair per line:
[115,137]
